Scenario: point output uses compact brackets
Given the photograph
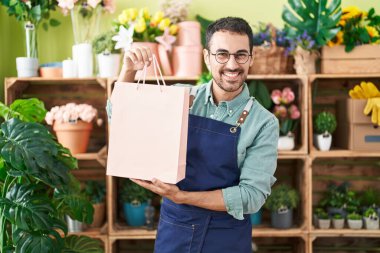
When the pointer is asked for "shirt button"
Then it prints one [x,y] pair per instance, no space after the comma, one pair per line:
[230,111]
[212,116]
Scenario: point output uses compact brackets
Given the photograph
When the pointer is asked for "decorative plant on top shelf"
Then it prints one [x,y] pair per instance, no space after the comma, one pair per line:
[324,125]
[312,23]
[37,188]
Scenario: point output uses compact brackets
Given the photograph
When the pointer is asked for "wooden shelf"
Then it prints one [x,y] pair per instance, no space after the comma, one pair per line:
[343,76]
[336,153]
[344,233]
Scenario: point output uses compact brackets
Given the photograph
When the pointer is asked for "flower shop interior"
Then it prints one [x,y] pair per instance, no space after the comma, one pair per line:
[316,68]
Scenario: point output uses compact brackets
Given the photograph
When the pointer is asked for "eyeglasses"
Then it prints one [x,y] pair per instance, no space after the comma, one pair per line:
[224,57]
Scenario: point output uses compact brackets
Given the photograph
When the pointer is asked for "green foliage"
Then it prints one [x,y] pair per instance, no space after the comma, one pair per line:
[316,17]
[104,43]
[95,191]
[354,216]
[282,196]
[81,244]
[337,216]
[370,197]
[34,11]
[131,192]
[370,213]
[323,216]
[259,90]
[204,24]
[37,188]
[339,196]
[205,77]
[325,122]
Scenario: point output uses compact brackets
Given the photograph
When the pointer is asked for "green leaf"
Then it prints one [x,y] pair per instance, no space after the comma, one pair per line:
[4,111]
[35,241]
[259,90]
[54,22]
[12,2]
[204,24]
[29,110]
[36,12]
[82,244]
[45,26]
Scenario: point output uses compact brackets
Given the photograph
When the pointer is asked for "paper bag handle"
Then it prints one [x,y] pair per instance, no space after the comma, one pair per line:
[155,67]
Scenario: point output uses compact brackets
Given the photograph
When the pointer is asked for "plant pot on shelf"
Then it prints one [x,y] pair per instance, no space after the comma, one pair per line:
[256,218]
[323,141]
[189,33]
[334,210]
[304,61]
[154,49]
[371,224]
[82,56]
[108,64]
[355,224]
[282,219]
[99,213]
[74,136]
[187,60]
[286,142]
[270,60]
[28,66]
[73,226]
[134,213]
[324,223]
[338,223]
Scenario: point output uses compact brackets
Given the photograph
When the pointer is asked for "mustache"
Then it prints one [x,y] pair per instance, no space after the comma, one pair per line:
[232,70]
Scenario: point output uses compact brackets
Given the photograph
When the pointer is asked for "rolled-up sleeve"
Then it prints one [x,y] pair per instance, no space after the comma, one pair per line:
[257,173]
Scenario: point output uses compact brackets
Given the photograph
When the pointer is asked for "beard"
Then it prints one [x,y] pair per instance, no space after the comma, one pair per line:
[230,84]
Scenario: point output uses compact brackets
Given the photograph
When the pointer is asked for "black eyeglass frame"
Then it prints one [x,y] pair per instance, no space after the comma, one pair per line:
[229,56]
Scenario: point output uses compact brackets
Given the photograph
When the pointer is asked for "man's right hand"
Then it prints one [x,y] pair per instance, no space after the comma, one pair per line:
[134,59]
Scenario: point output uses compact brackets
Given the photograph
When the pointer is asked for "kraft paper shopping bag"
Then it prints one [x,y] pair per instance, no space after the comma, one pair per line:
[148,131]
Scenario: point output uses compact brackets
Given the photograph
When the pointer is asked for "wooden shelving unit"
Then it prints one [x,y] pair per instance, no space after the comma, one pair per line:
[302,167]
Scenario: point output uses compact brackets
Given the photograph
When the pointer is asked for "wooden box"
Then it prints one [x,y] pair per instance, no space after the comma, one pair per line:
[363,59]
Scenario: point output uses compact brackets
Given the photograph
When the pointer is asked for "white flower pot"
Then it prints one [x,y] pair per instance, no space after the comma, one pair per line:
[355,224]
[371,224]
[27,67]
[338,223]
[108,64]
[73,226]
[286,143]
[324,223]
[323,141]
[82,56]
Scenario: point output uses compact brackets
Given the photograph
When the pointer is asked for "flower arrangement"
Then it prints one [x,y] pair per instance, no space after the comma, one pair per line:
[285,110]
[146,27]
[303,41]
[86,6]
[267,33]
[71,113]
[175,10]
[356,28]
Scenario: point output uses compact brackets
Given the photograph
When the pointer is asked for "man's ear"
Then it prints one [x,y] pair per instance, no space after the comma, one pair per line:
[252,57]
[206,58]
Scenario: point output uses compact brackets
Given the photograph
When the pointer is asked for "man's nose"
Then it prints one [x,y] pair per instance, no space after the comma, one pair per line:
[232,64]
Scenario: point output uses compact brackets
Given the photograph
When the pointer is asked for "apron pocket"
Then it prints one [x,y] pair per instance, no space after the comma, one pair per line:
[173,236]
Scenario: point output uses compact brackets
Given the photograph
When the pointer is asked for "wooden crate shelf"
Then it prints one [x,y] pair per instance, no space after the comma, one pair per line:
[345,233]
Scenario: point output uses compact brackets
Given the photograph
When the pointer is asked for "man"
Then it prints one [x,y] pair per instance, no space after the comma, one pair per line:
[231,153]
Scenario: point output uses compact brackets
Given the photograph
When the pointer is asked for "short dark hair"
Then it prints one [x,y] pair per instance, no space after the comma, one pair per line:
[231,24]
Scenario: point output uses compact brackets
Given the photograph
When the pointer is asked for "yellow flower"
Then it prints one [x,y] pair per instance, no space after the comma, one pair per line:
[131,13]
[123,18]
[157,17]
[164,23]
[337,40]
[140,25]
[173,29]
[372,31]
[144,13]
[350,12]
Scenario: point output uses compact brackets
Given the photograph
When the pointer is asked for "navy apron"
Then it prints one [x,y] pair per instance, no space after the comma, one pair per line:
[211,164]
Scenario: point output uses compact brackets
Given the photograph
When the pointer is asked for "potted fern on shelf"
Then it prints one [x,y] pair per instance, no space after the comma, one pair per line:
[324,125]
[37,187]
[338,221]
[371,219]
[281,203]
[324,221]
[355,221]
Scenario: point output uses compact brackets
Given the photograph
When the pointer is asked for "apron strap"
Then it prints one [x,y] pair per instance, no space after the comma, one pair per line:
[193,94]
[242,116]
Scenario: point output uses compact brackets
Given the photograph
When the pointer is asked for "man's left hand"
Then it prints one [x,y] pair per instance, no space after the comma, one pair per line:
[169,191]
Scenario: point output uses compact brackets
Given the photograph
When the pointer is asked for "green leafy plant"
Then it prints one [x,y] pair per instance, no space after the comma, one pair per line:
[339,196]
[104,44]
[34,11]
[37,188]
[323,216]
[259,90]
[354,216]
[370,197]
[283,196]
[205,77]
[337,216]
[325,122]
[95,191]
[318,18]
[204,24]
[371,213]
[131,192]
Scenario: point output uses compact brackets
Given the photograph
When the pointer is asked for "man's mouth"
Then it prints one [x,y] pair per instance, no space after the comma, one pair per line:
[231,75]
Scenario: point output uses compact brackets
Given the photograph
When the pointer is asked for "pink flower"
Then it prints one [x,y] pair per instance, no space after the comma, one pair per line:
[294,112]
[287,95]
[276,96]
[93,3]
[109,6]
[280,111]
[66,4]
[71,112]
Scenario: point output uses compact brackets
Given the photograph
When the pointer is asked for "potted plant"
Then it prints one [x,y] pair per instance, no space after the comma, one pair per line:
[338,221]
[96,192]
[37,187]
[371,219]
[73,124]
[31,14]
[356,44]
[134,199]
[281,203]
[288,115]
[324,221]
[370,198]
[324,126]
[107,56]
[311,27]
[256,218]
[354,221]
[316,213]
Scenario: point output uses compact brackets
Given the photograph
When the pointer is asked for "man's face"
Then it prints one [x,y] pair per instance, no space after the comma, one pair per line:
[231,75]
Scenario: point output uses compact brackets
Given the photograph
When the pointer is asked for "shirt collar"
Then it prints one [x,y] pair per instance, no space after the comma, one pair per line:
[233,104]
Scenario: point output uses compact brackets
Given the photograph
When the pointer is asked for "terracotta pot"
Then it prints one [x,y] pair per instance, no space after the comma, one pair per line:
[51,72]
[154,48]
[189,33]
[74,136]
[187,61]
[99,211]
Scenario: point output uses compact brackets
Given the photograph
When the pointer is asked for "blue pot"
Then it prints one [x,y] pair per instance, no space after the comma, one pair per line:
[256,218]
[134,213]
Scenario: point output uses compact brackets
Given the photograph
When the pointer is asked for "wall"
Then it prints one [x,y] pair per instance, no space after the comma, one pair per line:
[55,45]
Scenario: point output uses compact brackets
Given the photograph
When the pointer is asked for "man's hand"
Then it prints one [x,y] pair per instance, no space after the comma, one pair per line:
[169,191]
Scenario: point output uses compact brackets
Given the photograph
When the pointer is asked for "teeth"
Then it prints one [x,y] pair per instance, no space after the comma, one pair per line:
[231,74]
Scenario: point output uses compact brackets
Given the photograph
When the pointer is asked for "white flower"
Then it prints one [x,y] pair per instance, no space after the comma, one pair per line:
[124,38]
[93,3]
[71,112]
[66,4]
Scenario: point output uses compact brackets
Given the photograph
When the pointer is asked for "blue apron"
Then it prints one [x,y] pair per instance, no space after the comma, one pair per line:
[211,164]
